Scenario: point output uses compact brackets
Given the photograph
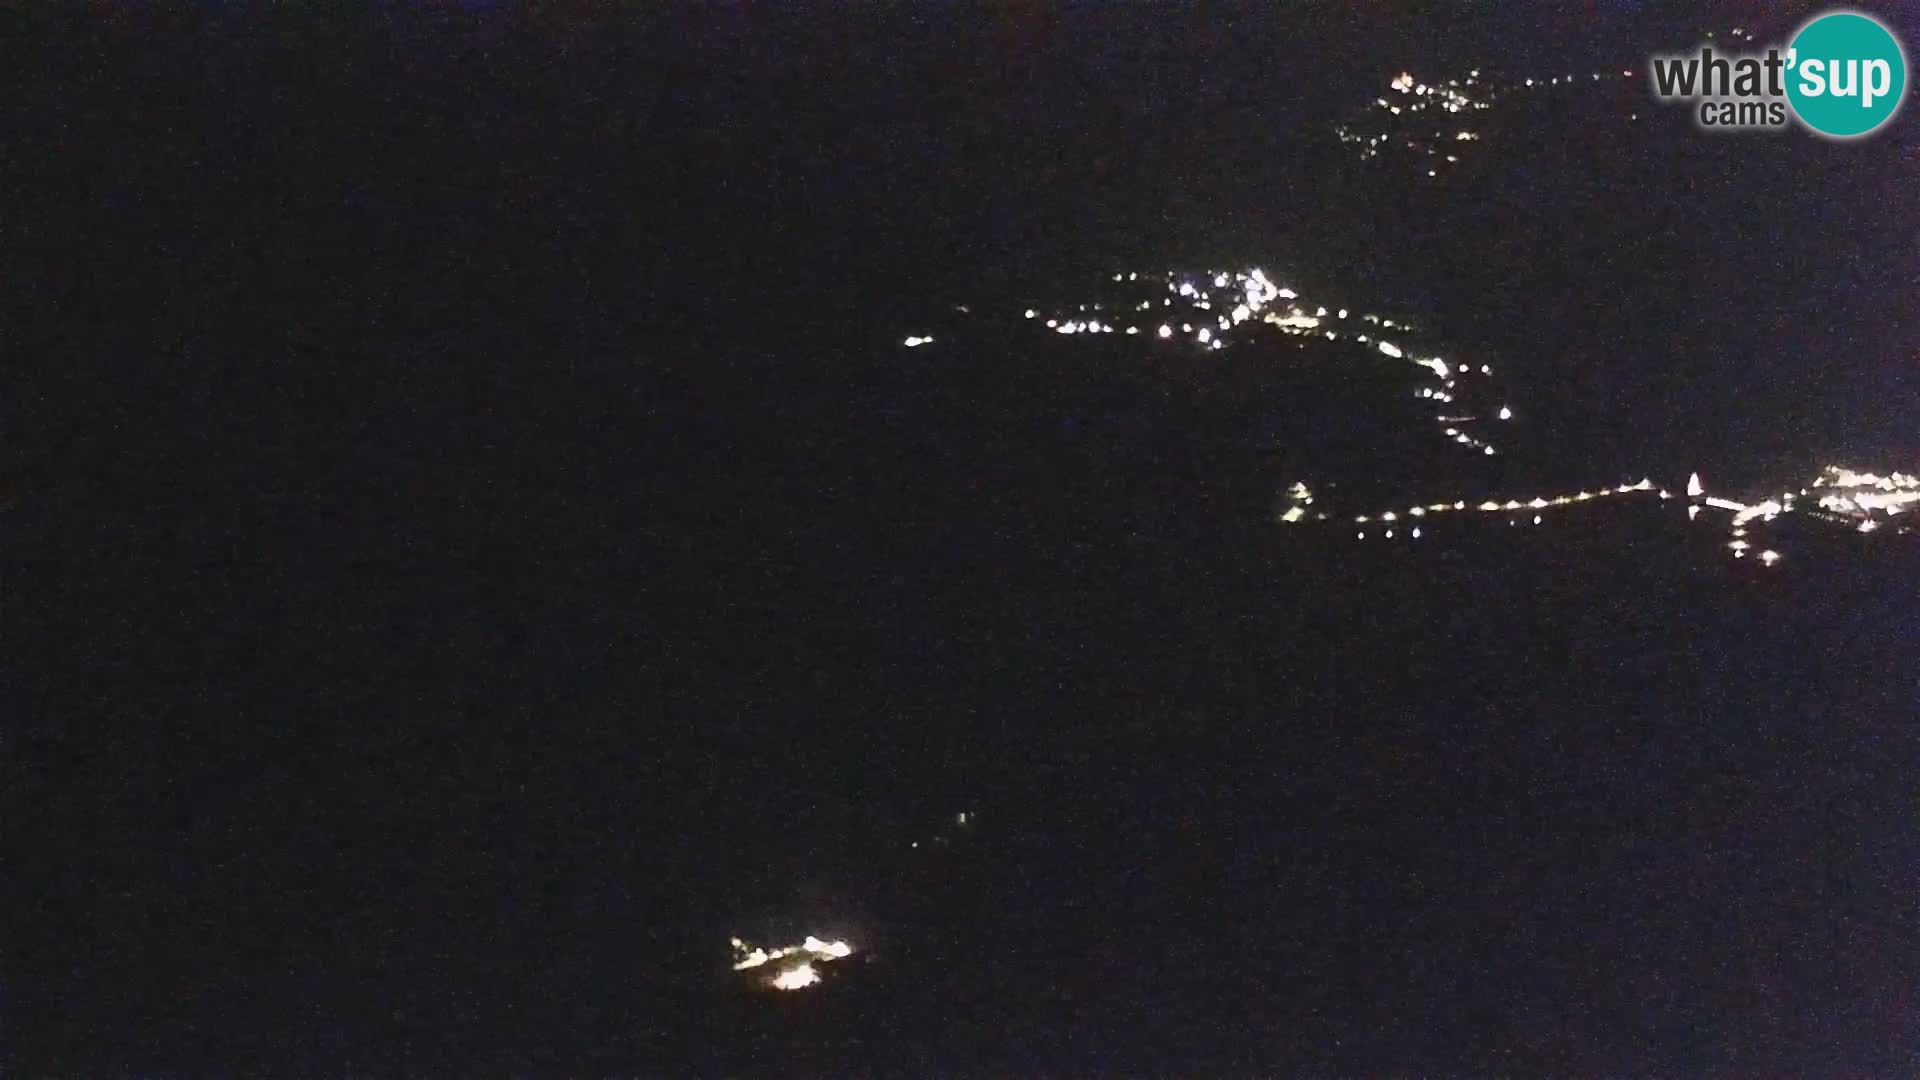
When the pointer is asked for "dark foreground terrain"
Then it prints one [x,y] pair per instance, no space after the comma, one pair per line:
[465,779]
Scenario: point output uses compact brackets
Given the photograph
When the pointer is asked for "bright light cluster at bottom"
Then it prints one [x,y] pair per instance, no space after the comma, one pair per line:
[797,972]
[795,978]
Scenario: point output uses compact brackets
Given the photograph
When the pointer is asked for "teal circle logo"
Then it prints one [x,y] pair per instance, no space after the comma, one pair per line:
[1846,75]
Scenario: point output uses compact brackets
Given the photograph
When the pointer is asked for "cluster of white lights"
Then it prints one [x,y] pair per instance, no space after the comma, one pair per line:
[1402,120]
[1209,311]
[1089,326]
[1859,495]
[1212,310]
[797,977]
[794,964]
[1409,99]
[1449,96]
[1299,497]
[1841,495]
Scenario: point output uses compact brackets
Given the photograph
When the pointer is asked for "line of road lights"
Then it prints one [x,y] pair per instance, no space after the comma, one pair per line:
[1851,495]
[1394,520]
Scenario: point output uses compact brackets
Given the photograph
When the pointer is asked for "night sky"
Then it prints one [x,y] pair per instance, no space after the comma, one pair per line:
[475,544]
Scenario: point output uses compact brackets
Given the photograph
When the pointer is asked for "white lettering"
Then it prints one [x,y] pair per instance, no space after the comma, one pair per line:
[1813,77]
[1872,87]
[1847,87]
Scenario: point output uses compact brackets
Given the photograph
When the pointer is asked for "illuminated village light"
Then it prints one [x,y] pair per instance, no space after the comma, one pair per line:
[795,978]
[1865,501]
[796,964]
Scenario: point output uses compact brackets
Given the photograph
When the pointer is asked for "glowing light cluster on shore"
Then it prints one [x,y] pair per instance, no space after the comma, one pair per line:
[1200,313]
[1422,123]
[1389,122]
[798,977]
[1861,494]
[1863,502]
[1215,309]
[794,966]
